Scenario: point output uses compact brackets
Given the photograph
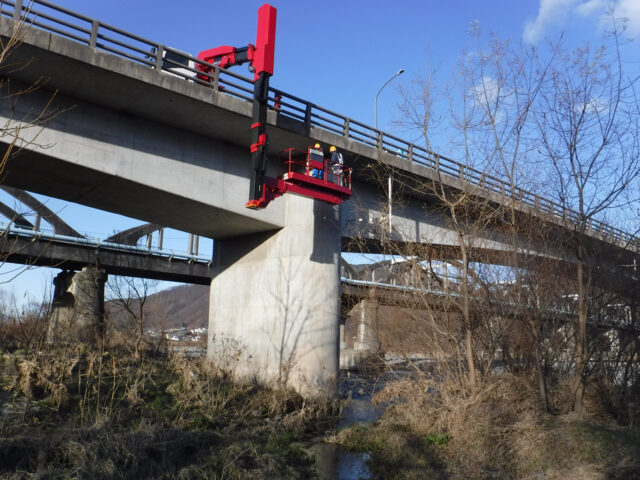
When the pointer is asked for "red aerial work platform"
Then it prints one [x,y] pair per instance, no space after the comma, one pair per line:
[310,174]
[334,183]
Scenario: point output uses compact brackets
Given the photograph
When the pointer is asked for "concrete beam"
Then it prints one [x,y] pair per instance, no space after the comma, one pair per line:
[139,168]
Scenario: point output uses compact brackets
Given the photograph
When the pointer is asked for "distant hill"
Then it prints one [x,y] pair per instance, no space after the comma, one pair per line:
[186,305]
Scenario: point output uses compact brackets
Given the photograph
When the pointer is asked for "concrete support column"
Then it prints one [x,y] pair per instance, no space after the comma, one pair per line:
[274,311]
[365,314]
[78,306]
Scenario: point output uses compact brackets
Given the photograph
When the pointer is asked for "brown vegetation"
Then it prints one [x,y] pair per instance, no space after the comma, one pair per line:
[76,411]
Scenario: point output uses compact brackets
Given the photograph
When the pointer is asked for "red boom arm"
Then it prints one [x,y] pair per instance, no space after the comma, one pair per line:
[260,56]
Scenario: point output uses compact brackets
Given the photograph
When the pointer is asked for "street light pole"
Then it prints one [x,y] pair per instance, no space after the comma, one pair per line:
[375,114]
[375,104]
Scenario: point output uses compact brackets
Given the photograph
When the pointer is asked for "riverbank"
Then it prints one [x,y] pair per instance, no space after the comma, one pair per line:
[496,431]
[79,413]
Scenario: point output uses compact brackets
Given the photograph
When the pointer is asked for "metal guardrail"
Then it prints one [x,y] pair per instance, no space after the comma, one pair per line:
[103,37]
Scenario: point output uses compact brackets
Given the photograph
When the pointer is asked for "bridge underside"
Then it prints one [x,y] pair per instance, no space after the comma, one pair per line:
[113,193]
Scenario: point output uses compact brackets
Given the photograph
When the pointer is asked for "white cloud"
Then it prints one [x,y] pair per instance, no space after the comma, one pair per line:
[590,7]
[556,12]
[630,9]
[550,12]
[594,106]
[485,95]
[486,92]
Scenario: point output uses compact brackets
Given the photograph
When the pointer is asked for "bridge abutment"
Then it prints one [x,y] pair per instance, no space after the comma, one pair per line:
[274,310]
[78,306]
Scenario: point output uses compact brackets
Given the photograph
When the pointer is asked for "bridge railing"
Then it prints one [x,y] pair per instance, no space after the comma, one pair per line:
[101,36]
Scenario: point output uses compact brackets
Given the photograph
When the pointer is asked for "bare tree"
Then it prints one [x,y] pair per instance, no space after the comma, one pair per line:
[18,133]
[588,135]
[574,114]
[128,297]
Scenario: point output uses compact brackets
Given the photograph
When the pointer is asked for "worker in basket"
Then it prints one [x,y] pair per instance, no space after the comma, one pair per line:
[316,172]
[337,164]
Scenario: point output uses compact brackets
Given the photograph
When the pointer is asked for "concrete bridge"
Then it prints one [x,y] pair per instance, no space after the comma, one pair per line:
[111,127]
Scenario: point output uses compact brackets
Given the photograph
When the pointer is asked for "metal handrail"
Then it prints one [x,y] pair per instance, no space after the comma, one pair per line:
[149,53]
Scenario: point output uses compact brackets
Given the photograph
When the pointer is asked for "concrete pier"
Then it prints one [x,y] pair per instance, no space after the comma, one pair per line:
[274,311]
[360,339]
[78,306]
[365,314]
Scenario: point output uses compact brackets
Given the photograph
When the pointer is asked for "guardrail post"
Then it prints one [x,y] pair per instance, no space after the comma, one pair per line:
[159,57]
[410,153]
[194,243]
[461,171]
[149,240]
[17,10]
[536,203]
[93,39]
[345,128]
[379,140]
[436,164]
[160,238]
[216,77]
[307,120]
[36,226]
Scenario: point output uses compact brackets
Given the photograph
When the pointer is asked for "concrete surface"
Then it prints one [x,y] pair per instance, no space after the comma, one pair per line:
[78,306]
[275,298]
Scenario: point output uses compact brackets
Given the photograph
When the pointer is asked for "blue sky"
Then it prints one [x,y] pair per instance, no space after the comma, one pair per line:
[336,54]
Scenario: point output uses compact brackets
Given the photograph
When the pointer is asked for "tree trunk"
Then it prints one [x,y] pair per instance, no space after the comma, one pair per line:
[534,324]
[581,341]
[466,317]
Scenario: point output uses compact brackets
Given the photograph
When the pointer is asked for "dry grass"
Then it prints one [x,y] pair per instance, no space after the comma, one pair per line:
[495,431]
[76,412]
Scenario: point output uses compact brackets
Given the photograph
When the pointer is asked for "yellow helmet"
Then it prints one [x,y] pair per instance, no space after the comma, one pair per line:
[317,145]
[332,148]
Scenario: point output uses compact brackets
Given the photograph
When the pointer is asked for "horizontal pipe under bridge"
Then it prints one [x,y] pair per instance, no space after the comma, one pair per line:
[70,253]
[418,298]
